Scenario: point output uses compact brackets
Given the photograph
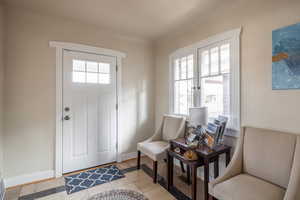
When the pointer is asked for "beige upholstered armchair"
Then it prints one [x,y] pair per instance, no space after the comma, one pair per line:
[155,147]
[265,166]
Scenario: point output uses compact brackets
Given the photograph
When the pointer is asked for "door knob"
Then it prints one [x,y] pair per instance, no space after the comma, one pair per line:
[67,117]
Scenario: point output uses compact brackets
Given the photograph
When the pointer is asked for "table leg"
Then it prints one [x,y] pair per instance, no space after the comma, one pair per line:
[216,167]
[182,167]
[194,182]
[206,178]
[170,171]
[227,157]
[188,174]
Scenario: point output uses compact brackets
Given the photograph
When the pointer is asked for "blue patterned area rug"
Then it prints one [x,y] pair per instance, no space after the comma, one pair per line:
[91,178]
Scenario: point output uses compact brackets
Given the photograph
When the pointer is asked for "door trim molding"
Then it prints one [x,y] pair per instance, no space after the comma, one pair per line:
[60,47]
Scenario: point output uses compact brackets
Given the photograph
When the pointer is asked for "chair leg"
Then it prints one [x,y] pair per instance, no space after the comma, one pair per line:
[154,171]
[138,160]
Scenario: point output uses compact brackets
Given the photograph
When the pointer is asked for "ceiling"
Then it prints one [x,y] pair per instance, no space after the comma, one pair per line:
[147,19]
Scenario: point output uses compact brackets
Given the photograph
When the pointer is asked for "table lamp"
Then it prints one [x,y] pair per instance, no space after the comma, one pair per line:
[198,116]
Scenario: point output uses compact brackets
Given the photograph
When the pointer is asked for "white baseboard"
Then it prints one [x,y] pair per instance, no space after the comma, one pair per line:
[27,178]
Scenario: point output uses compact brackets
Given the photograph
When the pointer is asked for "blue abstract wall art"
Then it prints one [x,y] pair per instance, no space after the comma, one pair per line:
[286,58]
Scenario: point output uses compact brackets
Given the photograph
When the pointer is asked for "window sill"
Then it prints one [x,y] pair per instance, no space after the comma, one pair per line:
[232,133]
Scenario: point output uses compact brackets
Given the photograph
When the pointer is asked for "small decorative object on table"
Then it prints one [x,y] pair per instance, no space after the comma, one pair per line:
[189,131]
[194,133]
[190,155]
[209,140]
[215,131]
[222,122]
[212,134]
[193,136]
[177,150]
[200,132]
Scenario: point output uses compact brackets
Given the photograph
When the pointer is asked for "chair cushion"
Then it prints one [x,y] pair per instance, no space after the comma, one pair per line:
[247,187]
[269,155]
[155,150]
[171,127]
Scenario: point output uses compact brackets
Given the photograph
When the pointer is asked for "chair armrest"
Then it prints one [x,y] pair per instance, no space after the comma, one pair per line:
[157,135]
[235,166]
[293,191]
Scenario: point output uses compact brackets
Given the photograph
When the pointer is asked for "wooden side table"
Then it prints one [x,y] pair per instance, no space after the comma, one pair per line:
[205,154]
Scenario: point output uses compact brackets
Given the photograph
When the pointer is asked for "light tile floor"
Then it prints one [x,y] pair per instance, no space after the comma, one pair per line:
[136,180]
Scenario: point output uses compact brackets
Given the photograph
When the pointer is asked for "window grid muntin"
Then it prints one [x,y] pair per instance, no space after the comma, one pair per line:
[86,72]
[189,82]
[220,73]
[207,49]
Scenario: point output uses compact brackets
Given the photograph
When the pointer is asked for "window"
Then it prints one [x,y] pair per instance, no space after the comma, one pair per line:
[214,78]
[90,72]
[183,83]
[207,74]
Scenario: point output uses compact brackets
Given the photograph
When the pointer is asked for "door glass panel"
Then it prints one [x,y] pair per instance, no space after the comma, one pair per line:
[214,60]
[104,67]
[79,77]
[104,78]
[91,78]
[92,66]
[90,72]
[79,65]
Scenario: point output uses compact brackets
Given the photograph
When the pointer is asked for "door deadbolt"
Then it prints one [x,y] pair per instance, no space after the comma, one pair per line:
[67,109]
[67,117]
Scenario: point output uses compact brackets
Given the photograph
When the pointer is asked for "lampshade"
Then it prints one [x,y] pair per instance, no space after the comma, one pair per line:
[198,116]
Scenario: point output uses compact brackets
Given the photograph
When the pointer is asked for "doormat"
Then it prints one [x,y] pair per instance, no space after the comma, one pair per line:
[91,178]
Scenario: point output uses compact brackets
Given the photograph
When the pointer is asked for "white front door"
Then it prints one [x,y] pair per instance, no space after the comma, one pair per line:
[89,110]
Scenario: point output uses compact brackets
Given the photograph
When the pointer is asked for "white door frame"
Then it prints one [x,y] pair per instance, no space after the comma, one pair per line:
[60,47]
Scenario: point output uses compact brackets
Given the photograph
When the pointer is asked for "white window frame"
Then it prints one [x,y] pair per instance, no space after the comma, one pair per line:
[234,37]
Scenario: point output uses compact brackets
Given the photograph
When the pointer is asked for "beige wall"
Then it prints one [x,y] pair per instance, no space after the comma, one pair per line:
[260,105]
[30,87]
[1,89]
